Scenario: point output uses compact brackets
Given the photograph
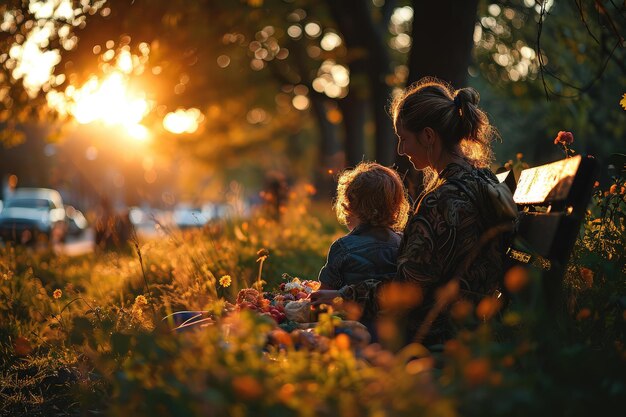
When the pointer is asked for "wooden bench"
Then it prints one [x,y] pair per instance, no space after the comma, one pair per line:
[552,200]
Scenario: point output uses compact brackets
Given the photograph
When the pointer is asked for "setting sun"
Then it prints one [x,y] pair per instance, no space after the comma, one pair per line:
[108,101]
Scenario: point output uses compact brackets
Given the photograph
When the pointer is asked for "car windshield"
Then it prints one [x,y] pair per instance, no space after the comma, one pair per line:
[29,203]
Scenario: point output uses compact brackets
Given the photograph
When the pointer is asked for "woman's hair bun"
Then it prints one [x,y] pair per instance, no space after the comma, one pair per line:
[467,95]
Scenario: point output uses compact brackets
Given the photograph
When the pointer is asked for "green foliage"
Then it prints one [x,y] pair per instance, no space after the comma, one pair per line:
[85,335]
[578,88]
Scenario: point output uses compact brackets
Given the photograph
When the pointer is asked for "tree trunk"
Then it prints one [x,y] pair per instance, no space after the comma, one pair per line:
[369,67]
[328,147]
[442,40]
[378,69]
[442,48]
[354,109]
[354,106]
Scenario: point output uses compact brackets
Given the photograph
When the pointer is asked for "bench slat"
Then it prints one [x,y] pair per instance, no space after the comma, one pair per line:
[552,199]
[548,183]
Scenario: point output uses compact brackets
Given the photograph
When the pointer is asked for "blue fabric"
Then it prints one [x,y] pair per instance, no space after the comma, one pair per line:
[368,252]
[187,319]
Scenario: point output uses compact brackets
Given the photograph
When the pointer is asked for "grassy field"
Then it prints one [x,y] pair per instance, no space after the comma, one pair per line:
[84,335]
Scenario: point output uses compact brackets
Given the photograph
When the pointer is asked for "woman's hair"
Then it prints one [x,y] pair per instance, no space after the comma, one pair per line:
[453,114]
[374,194]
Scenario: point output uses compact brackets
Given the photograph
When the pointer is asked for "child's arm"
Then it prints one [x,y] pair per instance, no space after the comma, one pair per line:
[330,275]
[325,286]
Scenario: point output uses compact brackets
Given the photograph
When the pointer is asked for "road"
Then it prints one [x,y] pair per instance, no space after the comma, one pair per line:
[77,245]
[85,242]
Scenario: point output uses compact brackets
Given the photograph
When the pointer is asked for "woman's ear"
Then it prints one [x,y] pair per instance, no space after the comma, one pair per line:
[429,137]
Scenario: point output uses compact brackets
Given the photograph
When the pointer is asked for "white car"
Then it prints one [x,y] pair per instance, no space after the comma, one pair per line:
[32,214]
[76,221]
[187,216]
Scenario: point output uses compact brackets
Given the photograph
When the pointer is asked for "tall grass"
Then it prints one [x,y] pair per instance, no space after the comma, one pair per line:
[101,345]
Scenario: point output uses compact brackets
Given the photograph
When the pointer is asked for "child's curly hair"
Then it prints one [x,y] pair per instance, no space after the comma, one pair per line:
[374,194]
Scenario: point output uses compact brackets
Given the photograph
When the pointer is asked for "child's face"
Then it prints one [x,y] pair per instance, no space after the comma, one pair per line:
[352,221]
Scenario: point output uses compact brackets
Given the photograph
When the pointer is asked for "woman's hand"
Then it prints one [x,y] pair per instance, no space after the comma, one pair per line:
[324,297]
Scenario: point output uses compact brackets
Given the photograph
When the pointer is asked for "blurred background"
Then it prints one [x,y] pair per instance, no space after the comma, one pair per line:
[173,107]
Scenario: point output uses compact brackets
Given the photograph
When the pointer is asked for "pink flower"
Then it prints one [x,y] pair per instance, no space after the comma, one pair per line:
[564,138]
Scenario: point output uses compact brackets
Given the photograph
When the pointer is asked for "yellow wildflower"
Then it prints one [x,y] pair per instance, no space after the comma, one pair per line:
[262,254]
[57,293]
[225,281]
[140,300]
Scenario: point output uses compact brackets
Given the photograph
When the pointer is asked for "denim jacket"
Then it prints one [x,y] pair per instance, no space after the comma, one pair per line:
[367,252]
[438,239]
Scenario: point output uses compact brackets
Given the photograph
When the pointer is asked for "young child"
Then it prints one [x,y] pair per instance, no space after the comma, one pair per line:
[372,203]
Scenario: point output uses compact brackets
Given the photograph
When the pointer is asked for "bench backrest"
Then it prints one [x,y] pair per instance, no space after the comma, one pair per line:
[552,200]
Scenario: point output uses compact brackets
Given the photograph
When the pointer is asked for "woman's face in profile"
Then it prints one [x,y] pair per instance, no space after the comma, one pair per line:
[409,145]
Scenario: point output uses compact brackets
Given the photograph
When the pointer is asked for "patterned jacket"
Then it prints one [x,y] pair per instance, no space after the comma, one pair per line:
[442,232]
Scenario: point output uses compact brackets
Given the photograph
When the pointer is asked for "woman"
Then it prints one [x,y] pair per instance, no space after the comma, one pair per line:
[445,134]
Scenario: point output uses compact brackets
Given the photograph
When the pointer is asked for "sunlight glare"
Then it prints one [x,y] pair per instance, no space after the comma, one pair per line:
[300,102]
[402,15]
[330,41]
[108,101]
[61,9]
[125,62]
[34,65]
[183,121]
[138,132]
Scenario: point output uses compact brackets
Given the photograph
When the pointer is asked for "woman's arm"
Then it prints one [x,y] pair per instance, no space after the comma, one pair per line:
[414,264]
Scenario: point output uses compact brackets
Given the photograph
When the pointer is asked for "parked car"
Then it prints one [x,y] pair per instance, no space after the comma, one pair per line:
[187,216]
[33,214]
[76,221]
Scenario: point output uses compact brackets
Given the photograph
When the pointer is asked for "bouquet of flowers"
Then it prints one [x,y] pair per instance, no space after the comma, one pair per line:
[251,299]
[293,296]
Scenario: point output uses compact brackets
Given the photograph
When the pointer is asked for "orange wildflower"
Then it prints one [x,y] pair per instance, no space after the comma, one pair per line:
[461,309]
[564,138]
[22,346]
[247,388]
[583,314]
[399,296]
[342,341]
[488,307]
[456,349]
[286,392]
[508,361]
[280,337]
[310,189]
[516,279]
[495,379]
[476,371]
[57,293]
